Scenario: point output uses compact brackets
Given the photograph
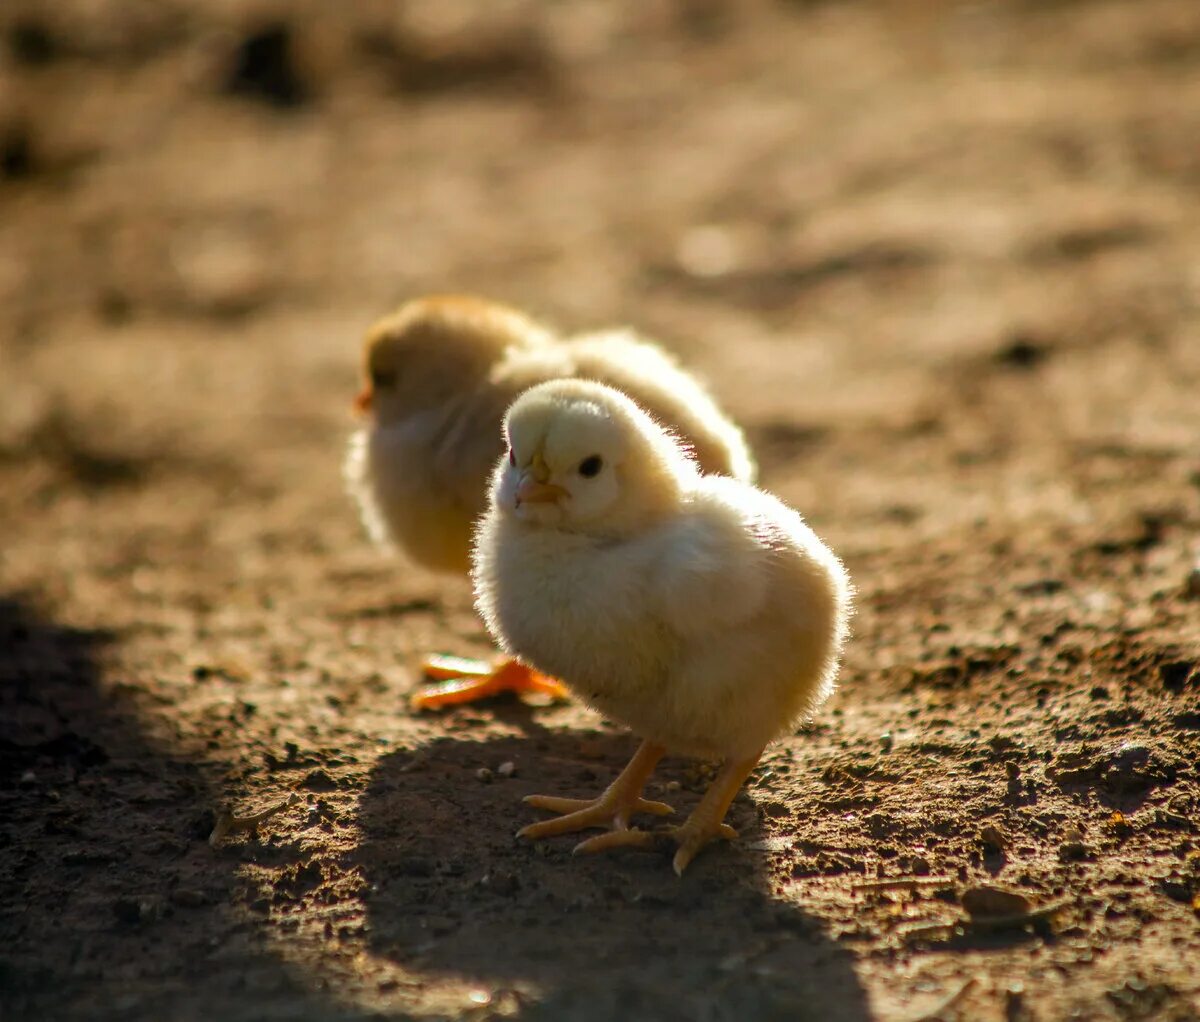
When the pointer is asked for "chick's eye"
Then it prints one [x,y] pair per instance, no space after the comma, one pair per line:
[382,378]
[590,467]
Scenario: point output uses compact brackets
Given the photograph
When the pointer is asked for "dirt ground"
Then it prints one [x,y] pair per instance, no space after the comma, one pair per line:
[941,260]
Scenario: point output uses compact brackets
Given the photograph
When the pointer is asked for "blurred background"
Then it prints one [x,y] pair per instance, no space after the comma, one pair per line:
[837,192]
[832,209]
[941,259]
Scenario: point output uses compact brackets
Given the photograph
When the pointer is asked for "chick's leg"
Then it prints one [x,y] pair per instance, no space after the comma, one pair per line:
[460,680]
[613,809]
[704,825]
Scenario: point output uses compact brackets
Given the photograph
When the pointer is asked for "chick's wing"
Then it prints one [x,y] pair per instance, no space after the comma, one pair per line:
[714,571]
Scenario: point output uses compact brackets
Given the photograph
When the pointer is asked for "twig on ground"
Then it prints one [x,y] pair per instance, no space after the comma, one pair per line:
[228,824]
[902,883]
[918,931]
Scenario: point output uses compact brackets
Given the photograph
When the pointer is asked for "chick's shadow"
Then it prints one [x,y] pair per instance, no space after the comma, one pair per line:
[91,925]
[452,891]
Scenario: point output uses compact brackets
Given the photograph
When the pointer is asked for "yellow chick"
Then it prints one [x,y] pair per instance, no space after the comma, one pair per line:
[439,375]
[699,611]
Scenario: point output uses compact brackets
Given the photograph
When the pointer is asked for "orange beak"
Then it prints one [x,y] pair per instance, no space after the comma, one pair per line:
[362,403]
[530,491]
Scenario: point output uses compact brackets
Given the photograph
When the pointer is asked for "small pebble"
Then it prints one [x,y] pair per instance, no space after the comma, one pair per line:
[672,786]
[993,837]
[1072,851]
[501,883]
[484,775]
[988,900]
[507,769]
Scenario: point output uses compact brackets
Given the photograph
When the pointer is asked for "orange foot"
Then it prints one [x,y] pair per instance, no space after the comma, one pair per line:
[704,825]
[460,680]
[687,839]
[612,809]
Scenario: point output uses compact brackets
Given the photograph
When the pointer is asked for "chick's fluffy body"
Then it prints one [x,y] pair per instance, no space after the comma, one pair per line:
[699,611]
[451,367]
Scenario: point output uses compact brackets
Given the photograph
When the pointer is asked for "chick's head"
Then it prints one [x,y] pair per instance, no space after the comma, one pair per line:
[436,348]
[583,457]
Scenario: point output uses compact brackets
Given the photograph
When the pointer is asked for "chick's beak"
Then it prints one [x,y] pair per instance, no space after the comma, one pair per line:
[362,403]
[530,491]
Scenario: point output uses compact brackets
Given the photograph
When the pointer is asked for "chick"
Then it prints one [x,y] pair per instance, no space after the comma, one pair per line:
[697,610]
[438,377]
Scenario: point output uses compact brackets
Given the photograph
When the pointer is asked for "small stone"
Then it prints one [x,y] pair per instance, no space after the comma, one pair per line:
[672,787]
[1119,824]
[28,779]
[1073,851]
[507,769]
[989,900]
[1175,889]
[920,866]
[501,882]
[993,839]
[318,780]
[484,775]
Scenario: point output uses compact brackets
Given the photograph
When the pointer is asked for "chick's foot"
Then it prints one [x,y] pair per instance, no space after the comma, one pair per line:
[702,827]
[461,680]
[621,800]
[686,839]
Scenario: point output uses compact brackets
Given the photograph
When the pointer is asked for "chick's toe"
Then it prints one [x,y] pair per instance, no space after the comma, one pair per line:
[702,827]
[613,809]
[464,681]
[582,813]
[686,840]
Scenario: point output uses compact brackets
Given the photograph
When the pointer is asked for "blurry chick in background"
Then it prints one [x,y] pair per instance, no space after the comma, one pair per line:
[439,375]
[699,611]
